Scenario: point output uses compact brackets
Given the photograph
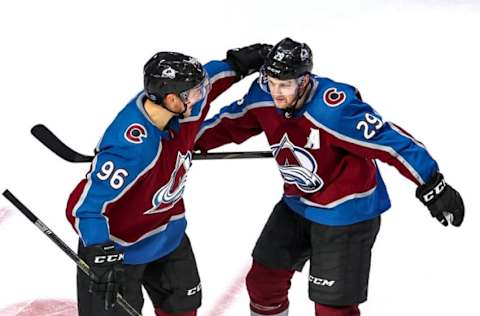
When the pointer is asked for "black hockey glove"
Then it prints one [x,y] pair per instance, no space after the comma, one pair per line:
[106,267]
[444,203]
[248,59]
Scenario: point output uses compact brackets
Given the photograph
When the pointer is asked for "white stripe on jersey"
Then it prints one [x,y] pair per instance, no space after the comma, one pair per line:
[234,115]
[220,75]
[339,201]
[125,190]
[398,130]
[150,233]
[387,149]
[82,199]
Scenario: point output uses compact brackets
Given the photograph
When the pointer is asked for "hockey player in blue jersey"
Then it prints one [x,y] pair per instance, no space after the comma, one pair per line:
[325,140]
[129,211]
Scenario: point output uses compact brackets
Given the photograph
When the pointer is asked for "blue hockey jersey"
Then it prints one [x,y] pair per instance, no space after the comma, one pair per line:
[132,194]
[326,153]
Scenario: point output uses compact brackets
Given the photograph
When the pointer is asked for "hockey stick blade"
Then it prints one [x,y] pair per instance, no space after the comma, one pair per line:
[52,142]
[82,265]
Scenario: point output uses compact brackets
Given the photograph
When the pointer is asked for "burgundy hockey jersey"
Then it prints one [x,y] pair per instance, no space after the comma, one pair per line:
[326,152]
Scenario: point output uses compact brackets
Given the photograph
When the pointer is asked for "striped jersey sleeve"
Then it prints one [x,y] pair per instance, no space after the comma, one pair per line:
[359,129]
[114,169]
[220,77]
[235,123]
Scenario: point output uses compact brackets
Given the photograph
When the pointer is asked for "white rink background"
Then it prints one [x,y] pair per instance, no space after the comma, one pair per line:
[73,65]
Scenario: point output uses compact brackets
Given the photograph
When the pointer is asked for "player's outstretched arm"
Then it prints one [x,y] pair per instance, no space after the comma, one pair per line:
[235,123]
[359,129]
[223,74]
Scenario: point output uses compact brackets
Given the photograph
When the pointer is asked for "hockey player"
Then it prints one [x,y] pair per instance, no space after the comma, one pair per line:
[325,140]
[129,211]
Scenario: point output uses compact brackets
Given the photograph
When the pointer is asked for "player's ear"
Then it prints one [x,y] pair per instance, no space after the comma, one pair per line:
[306,79]
[169,99]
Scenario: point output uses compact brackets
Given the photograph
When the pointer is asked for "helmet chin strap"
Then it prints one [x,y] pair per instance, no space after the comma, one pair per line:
[180,114]
[290,110]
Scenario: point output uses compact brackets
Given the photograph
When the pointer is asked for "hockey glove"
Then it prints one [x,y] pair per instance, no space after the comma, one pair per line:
[444,203]
[248,59]
[106,272]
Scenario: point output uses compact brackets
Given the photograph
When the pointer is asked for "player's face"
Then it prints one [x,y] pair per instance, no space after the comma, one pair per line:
[283,92]
[192,96]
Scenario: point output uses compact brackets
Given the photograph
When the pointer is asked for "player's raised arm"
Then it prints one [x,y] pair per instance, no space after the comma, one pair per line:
[239,63]
[235,123]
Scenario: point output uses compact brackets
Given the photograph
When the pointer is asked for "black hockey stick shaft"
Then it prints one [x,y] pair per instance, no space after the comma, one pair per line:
[52,142]
[64,247]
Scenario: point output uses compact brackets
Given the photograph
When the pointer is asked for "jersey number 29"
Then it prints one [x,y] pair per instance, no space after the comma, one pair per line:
[370,125]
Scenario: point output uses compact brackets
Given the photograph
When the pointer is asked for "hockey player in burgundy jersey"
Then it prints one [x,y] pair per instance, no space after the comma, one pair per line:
[129,211]
[325,140]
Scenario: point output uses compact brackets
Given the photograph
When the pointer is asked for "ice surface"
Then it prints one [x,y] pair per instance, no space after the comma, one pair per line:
[72,66]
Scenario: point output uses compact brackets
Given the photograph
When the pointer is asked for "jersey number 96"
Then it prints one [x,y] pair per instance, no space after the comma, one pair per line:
[116,176]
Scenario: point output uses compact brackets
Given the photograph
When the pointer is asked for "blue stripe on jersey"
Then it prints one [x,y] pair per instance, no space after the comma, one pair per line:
[254,98]
[215,70]
[156,246]
[117,153]
[355,210]
[345,122]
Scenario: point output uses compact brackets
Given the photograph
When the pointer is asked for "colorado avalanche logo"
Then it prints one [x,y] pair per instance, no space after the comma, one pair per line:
[297,166]
[172,192]
[333,98]
[169,73]
[135,133]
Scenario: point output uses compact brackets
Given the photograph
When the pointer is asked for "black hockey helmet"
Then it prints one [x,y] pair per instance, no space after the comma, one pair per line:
[170,72]
[288,59]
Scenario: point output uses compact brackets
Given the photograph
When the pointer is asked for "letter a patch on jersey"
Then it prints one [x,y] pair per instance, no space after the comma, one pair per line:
[313,140]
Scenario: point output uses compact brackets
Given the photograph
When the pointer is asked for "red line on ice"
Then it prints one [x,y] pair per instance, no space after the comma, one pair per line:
[4,213]
[223,303]
[39,307]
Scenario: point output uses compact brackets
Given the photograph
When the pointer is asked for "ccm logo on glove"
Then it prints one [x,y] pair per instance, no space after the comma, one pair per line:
[109,258]
[430,195]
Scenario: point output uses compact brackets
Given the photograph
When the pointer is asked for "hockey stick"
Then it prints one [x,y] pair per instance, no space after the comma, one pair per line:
[52,142]
[64,247]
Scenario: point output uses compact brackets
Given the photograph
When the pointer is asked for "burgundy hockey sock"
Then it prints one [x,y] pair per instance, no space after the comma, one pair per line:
[159,312]
[324,310]
[268,289]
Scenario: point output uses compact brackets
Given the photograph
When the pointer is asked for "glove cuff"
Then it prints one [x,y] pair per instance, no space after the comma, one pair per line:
[429,192]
